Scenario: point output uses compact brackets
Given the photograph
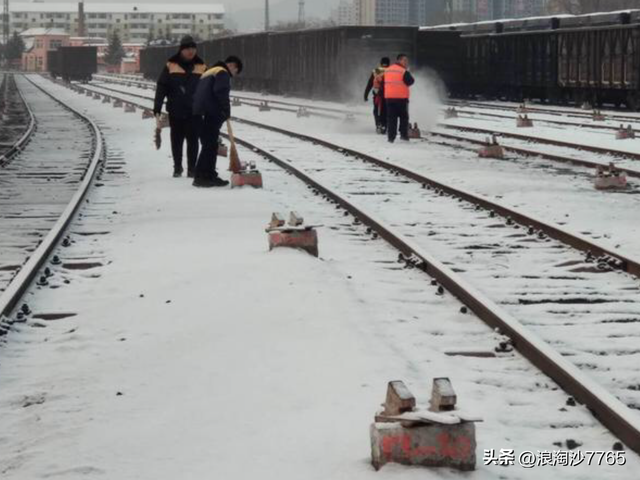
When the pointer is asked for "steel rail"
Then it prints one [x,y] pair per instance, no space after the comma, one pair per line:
[557,143]
[610,411]
[533,153]
[274,102]
[576,113]
[10,298]
[24,138]
[623,262]
[468,111]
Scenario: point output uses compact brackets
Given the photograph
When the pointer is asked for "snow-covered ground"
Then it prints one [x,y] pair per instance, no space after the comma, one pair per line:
[196,353]
[557,192]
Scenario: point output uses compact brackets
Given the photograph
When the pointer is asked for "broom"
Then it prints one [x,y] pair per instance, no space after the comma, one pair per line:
[234,159]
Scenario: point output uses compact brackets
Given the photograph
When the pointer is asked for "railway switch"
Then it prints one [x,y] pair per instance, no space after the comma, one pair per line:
[438,436]
[294,234]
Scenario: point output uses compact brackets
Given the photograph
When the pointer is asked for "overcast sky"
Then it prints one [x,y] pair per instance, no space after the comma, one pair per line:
[230,5]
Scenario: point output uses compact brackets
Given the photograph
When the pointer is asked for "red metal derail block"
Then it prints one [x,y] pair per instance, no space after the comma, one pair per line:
[294,235]
[627,133]
[439,436]
[524,121]
[491,149]
[610,178]
[414,132]
[247,176]
[450,113]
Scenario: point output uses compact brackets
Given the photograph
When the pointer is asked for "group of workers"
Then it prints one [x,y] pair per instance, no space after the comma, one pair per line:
[198,103]
[391,91]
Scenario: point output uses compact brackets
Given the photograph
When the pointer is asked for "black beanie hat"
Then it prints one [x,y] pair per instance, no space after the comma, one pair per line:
[187,42]
[237,61]
[385,62]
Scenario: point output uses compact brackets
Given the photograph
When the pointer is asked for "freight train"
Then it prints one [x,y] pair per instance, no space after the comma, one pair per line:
[73,63]
[561,59]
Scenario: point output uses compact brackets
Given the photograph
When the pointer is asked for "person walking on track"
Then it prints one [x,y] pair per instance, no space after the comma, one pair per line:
[376,83]
[397,81]
[177,83]
[212,103]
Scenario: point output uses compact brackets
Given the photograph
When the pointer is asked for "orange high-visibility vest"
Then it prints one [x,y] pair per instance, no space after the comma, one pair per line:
[394,86]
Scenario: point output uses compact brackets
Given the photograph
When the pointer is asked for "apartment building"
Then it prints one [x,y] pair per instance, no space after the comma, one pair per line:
[133,23]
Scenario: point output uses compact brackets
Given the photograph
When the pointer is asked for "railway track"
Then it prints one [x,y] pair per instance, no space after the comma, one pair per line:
[17,123]
[571,314]
[559,111]
[281,105]
[42,189]
[613,153]
[566,153]
[457,142]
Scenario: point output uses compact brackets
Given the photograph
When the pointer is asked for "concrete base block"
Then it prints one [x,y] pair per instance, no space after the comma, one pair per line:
[106,100]
[129,108]
[117,104]
[96,96]
[452,446]
[242,179]
[306,239]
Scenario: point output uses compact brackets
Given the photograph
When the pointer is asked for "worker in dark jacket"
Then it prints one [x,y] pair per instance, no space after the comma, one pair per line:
[397,81]
[213,104]
[376,83]
[178,82]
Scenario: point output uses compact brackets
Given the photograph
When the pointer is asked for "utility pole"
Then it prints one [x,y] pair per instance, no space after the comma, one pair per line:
[5,22]
[301,14]
[266,15]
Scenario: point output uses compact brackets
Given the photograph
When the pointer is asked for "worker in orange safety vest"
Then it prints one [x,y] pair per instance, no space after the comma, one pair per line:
[397,81]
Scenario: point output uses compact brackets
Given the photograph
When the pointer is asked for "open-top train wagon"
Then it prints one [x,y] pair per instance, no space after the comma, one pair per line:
[593,58]
[590,58]
[323,63]
[73,63]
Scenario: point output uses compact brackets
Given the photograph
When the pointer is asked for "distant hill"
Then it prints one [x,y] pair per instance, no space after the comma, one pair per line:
[252,19]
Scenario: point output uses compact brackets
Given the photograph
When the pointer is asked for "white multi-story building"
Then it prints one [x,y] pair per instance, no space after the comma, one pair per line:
[346,13]
[133,22]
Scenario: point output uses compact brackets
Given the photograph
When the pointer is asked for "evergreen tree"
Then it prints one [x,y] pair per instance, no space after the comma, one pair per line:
[115,52]
[14,48]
